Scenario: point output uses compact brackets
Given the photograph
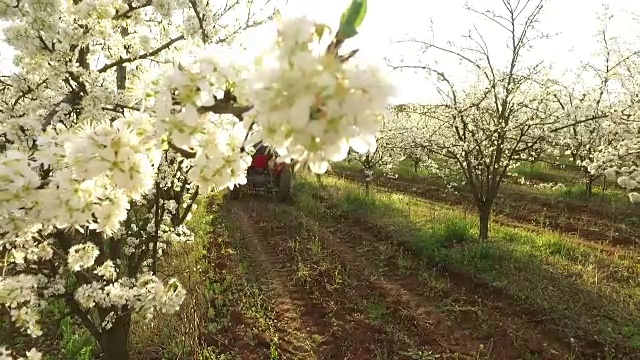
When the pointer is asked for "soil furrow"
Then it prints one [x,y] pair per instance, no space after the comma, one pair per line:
[298,315]
[326,316]
[338,291]
[435,329]
[412,294]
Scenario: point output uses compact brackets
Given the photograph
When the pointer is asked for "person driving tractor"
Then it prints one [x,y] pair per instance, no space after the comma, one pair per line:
[266,175]
[261,157]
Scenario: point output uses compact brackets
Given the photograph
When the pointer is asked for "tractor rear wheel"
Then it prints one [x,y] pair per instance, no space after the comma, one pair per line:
[234,194]
[284,184]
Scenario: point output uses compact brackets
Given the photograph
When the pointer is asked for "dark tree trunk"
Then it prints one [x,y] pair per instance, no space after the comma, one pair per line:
[484,215]
[367,171]
[115,341]
[416,164]
[589,186]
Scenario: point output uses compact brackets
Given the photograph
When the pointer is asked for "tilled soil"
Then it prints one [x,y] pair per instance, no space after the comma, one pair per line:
[338,290]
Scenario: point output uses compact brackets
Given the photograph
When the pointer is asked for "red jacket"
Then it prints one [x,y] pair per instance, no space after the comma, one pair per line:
[260,161]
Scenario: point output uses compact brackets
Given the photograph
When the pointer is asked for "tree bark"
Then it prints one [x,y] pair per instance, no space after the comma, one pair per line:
[366,186]
[416,164]
[484,215]
[589,186]
[115,341]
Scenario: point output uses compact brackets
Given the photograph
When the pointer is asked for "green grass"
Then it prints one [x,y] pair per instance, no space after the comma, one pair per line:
[579,192]
[574,182]
[168,335]
[70,340]
[589,292]
[613,198]
[405,169]
[544,172]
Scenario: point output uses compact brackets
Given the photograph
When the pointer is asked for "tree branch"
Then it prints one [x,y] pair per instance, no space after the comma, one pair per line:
[142,56]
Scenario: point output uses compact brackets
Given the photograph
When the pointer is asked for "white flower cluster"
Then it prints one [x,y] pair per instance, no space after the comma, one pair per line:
[220,163]
[620,159]
[86,168]
[311,106]
[187,89]
[630,181]
[551,186]
[145,295]
[33,354]
[82,256]
[120,150]
[18,294]
[178,234]
[388,150]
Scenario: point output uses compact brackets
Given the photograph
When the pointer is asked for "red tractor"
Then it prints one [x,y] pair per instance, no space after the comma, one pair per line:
[266,176]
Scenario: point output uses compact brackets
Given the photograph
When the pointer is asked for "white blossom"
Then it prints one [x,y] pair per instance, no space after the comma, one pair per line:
[82,256]
[106,146]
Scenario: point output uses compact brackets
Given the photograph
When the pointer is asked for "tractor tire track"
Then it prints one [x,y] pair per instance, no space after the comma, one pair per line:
[315,323]
[297,318]
[348,331]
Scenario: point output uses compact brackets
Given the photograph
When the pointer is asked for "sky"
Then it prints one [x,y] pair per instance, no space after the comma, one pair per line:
[388,21]
[393,20]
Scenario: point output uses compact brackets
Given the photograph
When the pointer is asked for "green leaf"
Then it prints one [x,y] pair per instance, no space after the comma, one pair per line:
[320,29]
[351,19]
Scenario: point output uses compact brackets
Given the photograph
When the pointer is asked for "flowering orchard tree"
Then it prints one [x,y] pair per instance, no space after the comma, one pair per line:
[578,101]
[107,141]
[386,154]
[621,159]
[417,157]
[483,128]
[416,136]
[486,127]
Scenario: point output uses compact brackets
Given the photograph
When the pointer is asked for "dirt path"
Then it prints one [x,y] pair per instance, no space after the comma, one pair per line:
[411,308]
[303,326]
[357,317]
[593,223]
[347,291]
[475,317]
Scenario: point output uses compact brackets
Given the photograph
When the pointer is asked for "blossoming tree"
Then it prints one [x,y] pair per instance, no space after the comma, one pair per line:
[486,126]
[386,154]
[605,96]
[416,136]
[482,127]
[618,159]
[122,112]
